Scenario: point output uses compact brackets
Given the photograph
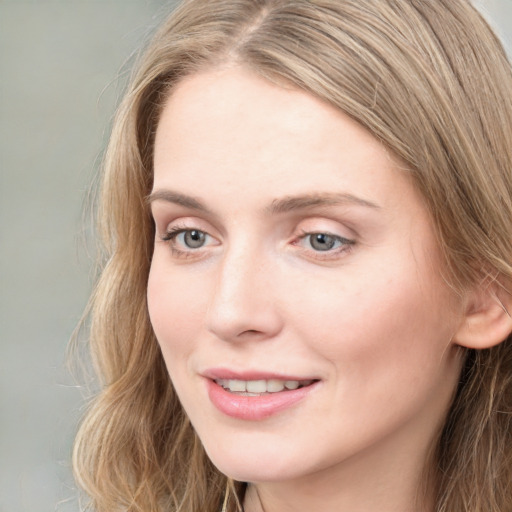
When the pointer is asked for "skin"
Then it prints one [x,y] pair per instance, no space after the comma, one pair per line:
[371,318]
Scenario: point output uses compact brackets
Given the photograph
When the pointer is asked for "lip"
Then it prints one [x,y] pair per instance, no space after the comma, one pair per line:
[253,408]
[224,373]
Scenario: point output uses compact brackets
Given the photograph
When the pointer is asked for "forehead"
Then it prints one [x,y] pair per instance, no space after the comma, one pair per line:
[231,134]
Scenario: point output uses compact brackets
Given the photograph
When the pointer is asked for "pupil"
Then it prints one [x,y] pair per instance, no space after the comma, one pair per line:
[322,242]
[194,239]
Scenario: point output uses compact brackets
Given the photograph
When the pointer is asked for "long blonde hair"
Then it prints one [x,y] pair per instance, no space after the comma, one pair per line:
[430,80]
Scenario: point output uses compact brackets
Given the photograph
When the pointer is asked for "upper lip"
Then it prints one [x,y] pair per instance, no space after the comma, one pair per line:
[228,374]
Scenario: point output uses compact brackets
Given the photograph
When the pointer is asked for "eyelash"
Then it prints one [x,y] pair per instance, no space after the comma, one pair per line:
[346,244]
[170,239]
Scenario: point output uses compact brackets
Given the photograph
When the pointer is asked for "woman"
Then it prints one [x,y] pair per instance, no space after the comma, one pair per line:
[306,209]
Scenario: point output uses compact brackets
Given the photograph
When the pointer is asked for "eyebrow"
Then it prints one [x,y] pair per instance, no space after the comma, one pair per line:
[277,206]
[171,196]
[306,201]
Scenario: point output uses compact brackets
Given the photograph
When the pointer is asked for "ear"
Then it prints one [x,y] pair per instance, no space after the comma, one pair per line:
[487,321]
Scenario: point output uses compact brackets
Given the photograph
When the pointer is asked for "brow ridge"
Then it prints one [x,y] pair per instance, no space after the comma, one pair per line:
[178,198]
[277,206]
[302,202]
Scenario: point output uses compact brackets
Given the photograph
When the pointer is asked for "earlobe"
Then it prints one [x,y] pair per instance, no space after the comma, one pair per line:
[487,320]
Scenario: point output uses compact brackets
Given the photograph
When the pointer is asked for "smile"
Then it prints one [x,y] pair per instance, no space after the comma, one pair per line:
[259,387]
[257,399]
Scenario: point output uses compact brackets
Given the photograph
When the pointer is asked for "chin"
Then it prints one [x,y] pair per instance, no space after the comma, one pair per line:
[253,464]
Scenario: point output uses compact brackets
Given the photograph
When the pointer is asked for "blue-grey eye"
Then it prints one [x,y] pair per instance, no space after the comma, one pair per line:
[322,241]
[193,238]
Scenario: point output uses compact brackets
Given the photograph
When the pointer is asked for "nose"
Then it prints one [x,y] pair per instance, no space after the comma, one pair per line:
[243,305]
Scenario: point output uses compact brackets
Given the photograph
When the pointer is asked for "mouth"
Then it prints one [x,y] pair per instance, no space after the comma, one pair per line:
[253,395]
[255,398]
[261,387]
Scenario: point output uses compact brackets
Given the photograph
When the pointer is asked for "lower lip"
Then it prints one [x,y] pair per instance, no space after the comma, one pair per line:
[254,408]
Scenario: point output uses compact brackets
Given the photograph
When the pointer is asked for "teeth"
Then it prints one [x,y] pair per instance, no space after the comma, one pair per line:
[274,386]
[256,387]
[237,385]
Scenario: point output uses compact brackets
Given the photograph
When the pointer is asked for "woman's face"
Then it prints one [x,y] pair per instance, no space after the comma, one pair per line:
[295,286]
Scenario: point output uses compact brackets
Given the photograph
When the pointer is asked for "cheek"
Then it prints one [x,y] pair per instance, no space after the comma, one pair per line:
[177,305]
[384,341]
[376,323]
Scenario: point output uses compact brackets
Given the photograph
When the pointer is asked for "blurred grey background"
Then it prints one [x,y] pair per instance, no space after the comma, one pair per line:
[62,69]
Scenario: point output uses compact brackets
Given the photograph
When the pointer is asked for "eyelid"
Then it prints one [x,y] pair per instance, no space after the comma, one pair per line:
[340,238]
[167,223]
[330,255]
[304,233]
[173,229]
[345,238]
